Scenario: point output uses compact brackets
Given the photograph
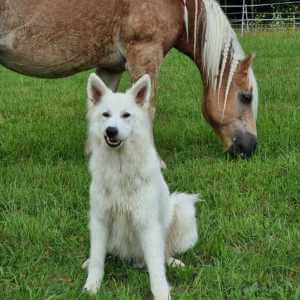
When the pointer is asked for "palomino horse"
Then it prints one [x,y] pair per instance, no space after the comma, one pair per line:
[54,38]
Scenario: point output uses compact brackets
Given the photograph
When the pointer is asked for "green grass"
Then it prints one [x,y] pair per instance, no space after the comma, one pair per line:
[249,223]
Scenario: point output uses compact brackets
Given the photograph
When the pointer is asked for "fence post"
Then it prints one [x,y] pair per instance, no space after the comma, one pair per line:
[243,17]
[294,21]
[247,20]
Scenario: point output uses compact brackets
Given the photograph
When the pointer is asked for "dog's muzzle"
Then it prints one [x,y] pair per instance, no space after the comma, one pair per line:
[111,137]
[113,143]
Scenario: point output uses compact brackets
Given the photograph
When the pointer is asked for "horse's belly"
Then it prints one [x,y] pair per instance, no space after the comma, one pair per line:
[57,56]
[57,38]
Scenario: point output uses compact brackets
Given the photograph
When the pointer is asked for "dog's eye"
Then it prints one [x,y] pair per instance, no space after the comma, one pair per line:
[126,115]
[106,115]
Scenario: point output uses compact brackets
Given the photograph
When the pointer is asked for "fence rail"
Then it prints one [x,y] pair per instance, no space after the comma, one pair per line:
[262,4]
[284,15]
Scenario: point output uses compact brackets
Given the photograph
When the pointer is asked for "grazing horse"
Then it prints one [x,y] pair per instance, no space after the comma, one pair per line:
[55,38]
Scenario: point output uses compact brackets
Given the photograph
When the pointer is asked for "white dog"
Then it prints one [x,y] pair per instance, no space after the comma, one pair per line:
[132,213]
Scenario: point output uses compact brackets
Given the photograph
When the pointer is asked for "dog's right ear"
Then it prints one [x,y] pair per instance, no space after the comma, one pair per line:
[96,89]
[141,90]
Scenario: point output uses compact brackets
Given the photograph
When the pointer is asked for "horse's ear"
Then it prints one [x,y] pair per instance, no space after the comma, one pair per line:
[141,90]
[96,89]
[246,63]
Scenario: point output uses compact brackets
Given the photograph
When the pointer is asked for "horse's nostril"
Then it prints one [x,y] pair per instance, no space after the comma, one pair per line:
[111,132]
[244,145]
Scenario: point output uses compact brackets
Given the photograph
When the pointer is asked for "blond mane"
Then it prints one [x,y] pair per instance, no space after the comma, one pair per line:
[220,46]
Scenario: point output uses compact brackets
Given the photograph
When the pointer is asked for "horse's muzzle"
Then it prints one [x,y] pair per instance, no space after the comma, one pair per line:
[244,145]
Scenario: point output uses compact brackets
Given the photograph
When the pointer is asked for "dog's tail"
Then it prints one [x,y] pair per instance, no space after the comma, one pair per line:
[182,234]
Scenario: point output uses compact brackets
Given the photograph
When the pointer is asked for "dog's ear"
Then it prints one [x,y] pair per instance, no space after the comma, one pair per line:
[96,89]
[141,90]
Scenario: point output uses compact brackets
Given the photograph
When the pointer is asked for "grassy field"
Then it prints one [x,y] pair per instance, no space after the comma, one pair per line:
[249,221]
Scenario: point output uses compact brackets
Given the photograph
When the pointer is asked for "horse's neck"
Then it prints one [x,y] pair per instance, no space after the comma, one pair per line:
[210,43]
[189,42]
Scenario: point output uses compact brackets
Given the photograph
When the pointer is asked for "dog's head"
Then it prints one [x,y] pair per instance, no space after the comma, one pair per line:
[113,116]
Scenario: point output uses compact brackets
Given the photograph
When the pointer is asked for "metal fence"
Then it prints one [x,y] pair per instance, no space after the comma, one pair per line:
[267,16]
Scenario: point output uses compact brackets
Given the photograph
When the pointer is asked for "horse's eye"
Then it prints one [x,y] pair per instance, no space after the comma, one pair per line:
[126,115]
[246,98]
[106,115]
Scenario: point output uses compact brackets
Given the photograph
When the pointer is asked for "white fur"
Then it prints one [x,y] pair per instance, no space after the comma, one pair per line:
[132,213]
[186,19]
[216,41]
[195,28]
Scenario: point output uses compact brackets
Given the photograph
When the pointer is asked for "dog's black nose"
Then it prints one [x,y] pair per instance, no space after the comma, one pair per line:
[111,132]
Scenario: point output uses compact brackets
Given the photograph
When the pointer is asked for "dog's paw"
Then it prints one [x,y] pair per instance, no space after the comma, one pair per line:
[175,263]
[91,287]
[163,297]
[161,290]
[85,265]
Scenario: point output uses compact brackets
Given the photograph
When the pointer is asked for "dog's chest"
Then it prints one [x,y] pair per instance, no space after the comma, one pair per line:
[123,240]
[122,187]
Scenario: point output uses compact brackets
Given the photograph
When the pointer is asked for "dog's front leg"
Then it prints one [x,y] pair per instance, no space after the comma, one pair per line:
[153,245]
[98,236]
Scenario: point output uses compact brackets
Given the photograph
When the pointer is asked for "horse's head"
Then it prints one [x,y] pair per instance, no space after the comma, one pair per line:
[231,107]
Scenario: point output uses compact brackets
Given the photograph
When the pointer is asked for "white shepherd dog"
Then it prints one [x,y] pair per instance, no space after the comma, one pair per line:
[132,213]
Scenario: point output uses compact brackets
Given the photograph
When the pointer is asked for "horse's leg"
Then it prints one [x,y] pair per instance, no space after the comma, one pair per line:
[110,77]
[145,58]
[112,80]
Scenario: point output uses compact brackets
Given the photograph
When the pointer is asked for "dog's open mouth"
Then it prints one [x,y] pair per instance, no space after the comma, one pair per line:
[112,142]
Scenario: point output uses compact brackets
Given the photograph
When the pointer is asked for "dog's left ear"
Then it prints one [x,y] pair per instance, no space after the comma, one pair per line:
[96,89]
[141,90]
